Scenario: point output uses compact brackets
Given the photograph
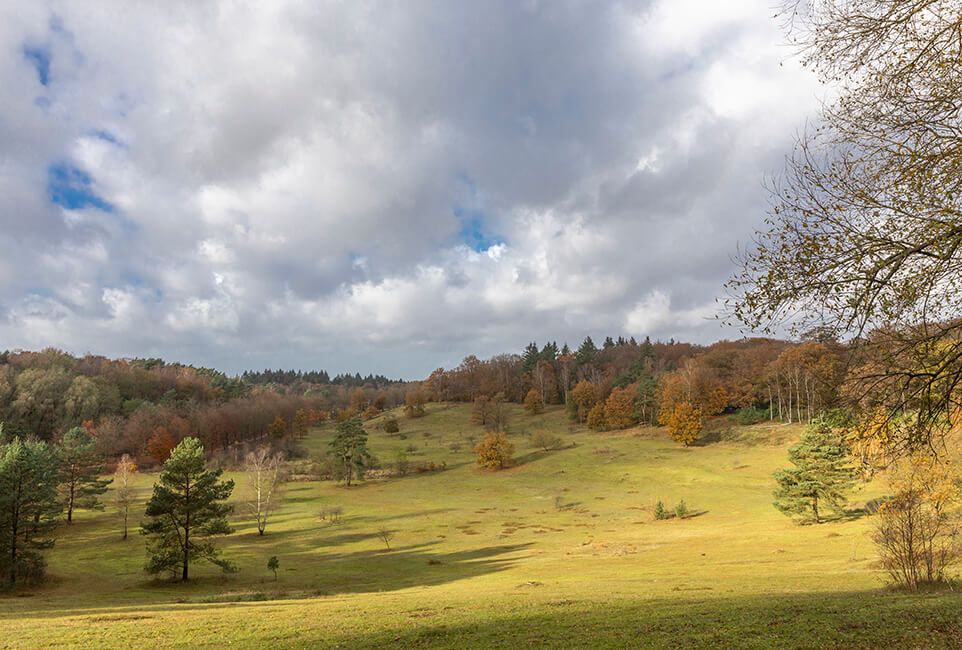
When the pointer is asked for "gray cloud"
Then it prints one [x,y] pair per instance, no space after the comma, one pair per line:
[315,185]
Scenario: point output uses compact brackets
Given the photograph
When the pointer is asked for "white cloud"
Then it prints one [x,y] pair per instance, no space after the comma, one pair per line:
[286,177]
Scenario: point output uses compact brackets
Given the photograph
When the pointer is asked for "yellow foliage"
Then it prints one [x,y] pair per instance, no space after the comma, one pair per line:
[495,451]
[620,408]
[682,419]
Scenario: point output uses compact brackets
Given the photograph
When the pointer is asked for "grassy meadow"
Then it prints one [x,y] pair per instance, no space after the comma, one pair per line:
[560,550]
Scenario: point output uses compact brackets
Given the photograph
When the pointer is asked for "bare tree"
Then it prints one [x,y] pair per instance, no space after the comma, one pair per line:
[124,494]
[864,233]
[386,535]
[264,480]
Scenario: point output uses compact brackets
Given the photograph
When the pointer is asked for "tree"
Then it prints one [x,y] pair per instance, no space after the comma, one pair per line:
[864,237]
[620,408]
[29,508]
[161,443]
[263,484]
[349,448]
[124,493]
[414,401]
[596,417]
[682,419]
[917,531]
[277,429]
[302,421]
[80,467]
[821,474]
[585,396]
[533,403]
[495,451]
[185,511]
[273,565]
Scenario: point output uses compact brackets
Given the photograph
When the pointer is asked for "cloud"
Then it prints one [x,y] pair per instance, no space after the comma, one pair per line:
[362,186]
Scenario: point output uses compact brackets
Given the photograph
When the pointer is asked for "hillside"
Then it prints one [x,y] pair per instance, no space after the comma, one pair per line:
[561,550]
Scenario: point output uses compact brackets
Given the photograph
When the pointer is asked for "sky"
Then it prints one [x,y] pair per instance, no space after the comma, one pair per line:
[381,187]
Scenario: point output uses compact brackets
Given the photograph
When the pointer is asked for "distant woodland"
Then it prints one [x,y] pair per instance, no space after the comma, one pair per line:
[144,407]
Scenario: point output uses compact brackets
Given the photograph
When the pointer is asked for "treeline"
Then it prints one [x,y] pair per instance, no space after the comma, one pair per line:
[144,407]
[675,384]
[315,377]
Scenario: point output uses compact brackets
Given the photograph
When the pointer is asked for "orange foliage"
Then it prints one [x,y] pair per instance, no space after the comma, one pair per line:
[495,451]
[620,408]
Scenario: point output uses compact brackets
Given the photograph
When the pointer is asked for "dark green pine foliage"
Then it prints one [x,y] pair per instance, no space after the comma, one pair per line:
[29,508]
[586,353]
[185,511]
[820,477]
[349,447]
[530,357]
[609,343]
[549,352]
[80,470]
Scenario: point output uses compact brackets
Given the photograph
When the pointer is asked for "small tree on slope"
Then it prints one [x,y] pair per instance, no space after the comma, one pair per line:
[821,474]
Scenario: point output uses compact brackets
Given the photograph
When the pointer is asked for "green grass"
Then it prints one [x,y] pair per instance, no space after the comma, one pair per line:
[486,559]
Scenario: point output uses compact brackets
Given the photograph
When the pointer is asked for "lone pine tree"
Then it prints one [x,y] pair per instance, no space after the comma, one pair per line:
[349,447]
[185,511]
[821,474]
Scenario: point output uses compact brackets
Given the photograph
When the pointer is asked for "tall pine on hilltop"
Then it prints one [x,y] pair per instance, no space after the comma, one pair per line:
[185,511]
[821,474]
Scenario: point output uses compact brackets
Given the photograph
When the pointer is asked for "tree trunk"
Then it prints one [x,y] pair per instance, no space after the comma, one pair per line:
[70,504]
[186,532]
[815,508]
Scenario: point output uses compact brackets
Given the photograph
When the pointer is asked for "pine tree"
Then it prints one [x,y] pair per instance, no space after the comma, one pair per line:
[29,508]
[80,467]
[185,510]
[586,353]
[821,474]
[529,359]
[349,447]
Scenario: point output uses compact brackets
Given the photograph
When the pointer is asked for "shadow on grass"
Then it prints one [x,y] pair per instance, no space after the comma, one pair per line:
[871,619]
[364,571]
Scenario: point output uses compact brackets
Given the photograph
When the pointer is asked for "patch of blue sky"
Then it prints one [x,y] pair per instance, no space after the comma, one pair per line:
[72,188]
[39,57]
[107,136]
[474,232]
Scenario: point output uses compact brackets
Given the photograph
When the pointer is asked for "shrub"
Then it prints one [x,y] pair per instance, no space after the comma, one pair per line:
[533,403]
[917,531]
[596,417]
[331,514]
[681,510]
[545,440]
[660,511]
[495,451]
[391,425]
[401,462]
[750,415]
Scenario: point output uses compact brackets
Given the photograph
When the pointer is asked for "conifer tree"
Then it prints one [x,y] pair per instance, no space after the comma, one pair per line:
[349,447]
[80,469]
[821,474]
[185,511]
[29,508]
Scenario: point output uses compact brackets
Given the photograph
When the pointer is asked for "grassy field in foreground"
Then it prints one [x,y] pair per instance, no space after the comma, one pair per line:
[482,559]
